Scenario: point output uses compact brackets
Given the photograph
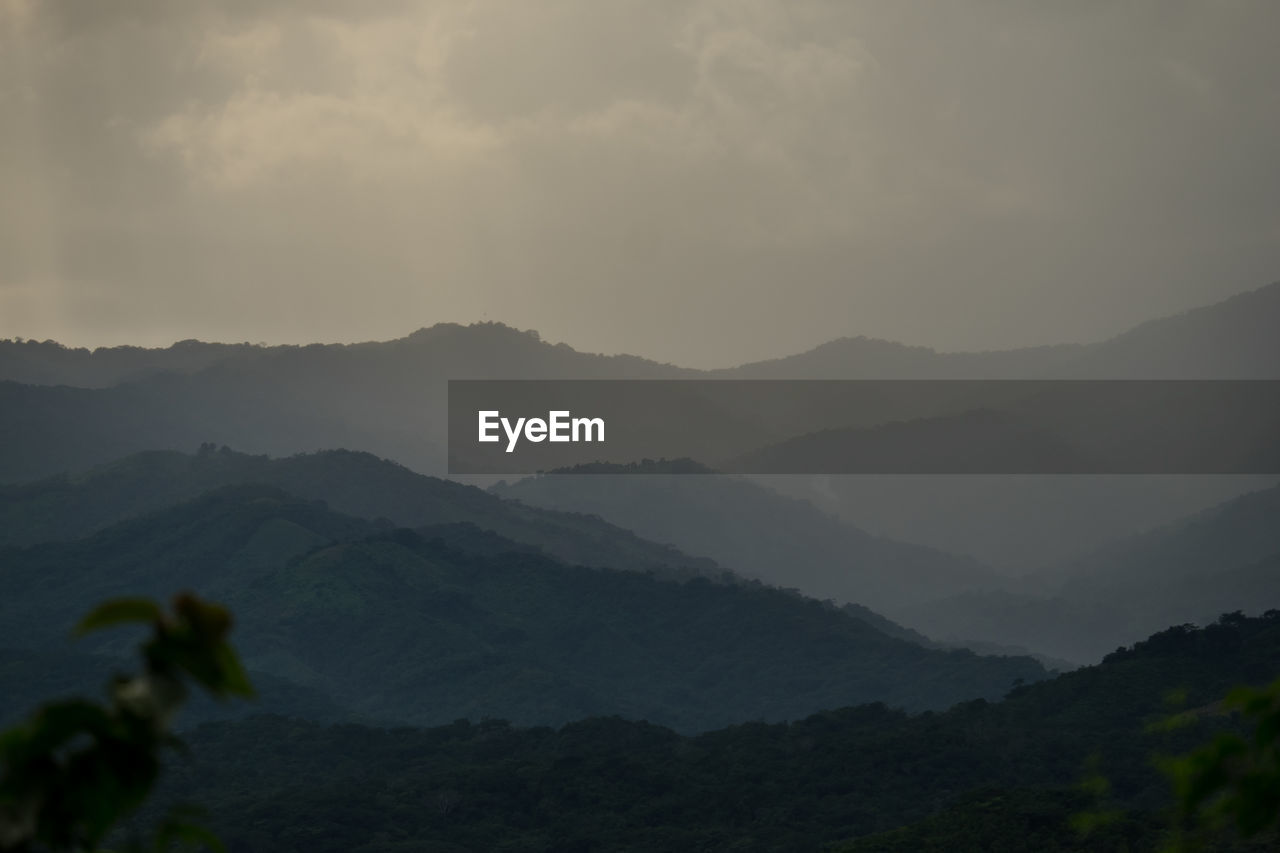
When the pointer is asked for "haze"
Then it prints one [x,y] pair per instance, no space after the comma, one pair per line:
[700,182]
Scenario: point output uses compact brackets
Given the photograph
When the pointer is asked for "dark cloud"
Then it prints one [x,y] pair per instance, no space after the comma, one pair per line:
[704,181]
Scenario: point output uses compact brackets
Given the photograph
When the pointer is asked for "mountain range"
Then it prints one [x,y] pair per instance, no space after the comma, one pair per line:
[450,620]
[650,656]
[1185,571]
[738,522]
[1226,557]
[846,543]
[64,410]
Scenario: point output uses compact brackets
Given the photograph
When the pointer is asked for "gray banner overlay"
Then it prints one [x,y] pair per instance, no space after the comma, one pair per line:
[865,426]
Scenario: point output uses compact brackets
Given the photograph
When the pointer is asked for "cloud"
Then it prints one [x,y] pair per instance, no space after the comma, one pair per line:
[626,174]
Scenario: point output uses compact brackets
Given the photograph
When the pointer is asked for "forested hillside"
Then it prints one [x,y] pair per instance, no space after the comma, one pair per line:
[981,776]
[451,621]
[352,483]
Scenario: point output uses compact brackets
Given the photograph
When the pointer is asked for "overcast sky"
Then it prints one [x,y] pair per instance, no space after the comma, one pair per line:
[703,182]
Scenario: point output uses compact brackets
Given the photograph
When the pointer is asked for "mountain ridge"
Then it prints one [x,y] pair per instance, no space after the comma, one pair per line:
[852,356]
[337,604]
[353,483]
[1182,571]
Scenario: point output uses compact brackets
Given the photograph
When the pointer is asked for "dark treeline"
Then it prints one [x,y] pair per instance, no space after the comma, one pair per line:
[982,776]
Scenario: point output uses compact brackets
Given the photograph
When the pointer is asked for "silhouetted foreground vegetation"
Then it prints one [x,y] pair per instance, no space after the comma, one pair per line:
[75,768]
[1235,780]
[982,776]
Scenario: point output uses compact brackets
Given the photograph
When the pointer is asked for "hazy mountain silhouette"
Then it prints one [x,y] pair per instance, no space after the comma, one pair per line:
[388,397]
[872,358]
[397,626]
[976,441]
[357,484]
[1234,533]
[1016,524]
[1232,339]
[51,363]
[445,349]
[777,539]
[1048,428]
[1182,572]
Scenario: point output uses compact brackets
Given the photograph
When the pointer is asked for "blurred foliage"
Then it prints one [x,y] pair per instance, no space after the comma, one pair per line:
[1234,780]
[75,768]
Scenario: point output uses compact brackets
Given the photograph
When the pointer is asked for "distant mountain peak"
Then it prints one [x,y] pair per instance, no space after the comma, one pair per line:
[494,327]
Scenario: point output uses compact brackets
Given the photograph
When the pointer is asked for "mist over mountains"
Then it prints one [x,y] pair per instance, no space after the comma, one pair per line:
[1187,571]
[1231,339]
[367,592]
[451,619]
[736,522]
[357,484]
[387,398]
[1224,557]
[785,426]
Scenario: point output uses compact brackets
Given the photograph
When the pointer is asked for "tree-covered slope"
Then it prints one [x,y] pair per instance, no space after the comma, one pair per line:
[357,484]
[29,677]
[988,776]
[394,625]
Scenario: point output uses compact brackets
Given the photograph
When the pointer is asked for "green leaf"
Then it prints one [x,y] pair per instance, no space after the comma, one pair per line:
[235,681]
[119,612]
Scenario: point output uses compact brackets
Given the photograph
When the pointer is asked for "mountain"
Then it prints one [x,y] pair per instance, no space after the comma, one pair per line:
[443,349]
[357,484]
[779,540]
[51,363]
[388,397]
[362,485]
[976,441]
[396,626]
[1183,572]
[1017,524]
[1232,339]
[1006,775]
[872,358]
[1233,534]
[1045,428]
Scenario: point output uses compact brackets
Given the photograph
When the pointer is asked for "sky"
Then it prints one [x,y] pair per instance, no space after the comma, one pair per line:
[704,182]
